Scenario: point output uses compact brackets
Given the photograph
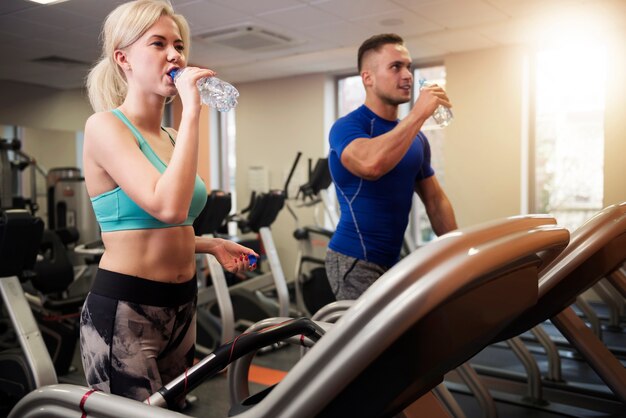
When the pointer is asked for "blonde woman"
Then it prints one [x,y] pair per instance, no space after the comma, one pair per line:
[138,322]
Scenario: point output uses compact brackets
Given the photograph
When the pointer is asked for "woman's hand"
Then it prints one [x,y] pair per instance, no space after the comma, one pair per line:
[187,88]
[232,256]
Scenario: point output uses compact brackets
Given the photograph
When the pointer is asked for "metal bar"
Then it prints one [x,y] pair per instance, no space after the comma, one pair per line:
[478,389]
[590,314]
[224,302]
[27,331]
[554,359]
[277,271]
[610,370]
[532,370]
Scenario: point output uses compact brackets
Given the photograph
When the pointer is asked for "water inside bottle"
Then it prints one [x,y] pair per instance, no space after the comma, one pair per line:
[442,115]
[214,92]
[218,93]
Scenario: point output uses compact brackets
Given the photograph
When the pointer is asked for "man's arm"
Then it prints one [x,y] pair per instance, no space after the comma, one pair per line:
[438,206]
[372,158]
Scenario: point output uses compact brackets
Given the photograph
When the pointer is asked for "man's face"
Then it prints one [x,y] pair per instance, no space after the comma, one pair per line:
[387,73]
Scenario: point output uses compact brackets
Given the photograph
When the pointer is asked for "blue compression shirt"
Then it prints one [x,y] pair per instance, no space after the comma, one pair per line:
[374,214]
[115,211]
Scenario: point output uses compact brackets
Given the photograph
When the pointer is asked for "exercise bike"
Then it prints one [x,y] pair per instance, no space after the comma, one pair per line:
[27,365]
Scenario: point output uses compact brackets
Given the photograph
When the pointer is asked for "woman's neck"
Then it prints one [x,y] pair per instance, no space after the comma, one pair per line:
[146,112]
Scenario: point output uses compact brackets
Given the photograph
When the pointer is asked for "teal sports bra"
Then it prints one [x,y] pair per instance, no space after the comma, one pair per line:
[115,211]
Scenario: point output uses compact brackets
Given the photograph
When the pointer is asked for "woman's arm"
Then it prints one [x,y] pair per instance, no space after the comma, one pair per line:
[232,256]
[111,151]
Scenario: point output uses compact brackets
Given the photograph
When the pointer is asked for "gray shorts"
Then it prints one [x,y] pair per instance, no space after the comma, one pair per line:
[349,277]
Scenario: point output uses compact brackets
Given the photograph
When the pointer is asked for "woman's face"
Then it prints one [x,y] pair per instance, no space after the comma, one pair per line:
[152,57]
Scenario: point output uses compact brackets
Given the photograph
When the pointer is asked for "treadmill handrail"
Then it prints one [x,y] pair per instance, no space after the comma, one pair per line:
[398,298]
[64,400]
[586,240]
[364,330]
[229,352]
[577,268]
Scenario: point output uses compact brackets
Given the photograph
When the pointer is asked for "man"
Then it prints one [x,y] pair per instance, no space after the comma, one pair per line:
[377,162]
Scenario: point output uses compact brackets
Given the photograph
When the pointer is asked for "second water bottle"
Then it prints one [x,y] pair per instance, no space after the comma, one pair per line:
[442,115]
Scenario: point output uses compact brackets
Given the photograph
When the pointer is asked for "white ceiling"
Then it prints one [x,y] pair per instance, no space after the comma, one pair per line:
[325,34]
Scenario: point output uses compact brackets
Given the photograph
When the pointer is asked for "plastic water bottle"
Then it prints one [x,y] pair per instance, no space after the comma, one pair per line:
[213,91]
[442,115]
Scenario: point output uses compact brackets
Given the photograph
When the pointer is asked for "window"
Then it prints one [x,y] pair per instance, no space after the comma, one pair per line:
[419,225]
[350,94]
[229,137]
[223,156]
[569,132]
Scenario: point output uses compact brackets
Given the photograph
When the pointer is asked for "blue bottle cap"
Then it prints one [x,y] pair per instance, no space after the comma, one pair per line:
[173,73]
[251,259]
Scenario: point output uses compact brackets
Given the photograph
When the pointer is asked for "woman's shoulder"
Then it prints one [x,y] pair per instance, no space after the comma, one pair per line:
[97,122]
[105,126]
[100,117]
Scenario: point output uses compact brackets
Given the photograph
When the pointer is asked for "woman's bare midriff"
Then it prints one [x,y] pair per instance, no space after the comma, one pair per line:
[164,255]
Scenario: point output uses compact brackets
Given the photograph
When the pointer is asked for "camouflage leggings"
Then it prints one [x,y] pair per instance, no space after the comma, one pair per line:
[135,334]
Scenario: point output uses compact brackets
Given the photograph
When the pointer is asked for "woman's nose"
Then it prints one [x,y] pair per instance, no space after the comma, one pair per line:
[174,55]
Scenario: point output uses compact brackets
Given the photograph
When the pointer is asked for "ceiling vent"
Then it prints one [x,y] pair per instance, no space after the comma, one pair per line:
[62,62]
[247,38]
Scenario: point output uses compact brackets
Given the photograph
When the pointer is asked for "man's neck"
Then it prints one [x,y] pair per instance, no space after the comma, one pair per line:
[384,110]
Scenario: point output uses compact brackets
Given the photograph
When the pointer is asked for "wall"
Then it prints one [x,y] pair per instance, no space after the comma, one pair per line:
[482,152]
[42,107]
[482,146]
[615,125]
[51,149]
[50,119]
[275,120]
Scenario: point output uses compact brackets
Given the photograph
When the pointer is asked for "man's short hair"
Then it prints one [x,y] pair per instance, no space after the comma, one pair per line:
[376,42]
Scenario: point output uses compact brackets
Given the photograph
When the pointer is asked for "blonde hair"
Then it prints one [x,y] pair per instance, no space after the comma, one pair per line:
[106,83]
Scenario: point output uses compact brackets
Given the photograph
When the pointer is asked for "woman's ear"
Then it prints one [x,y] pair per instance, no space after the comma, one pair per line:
[121,59]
